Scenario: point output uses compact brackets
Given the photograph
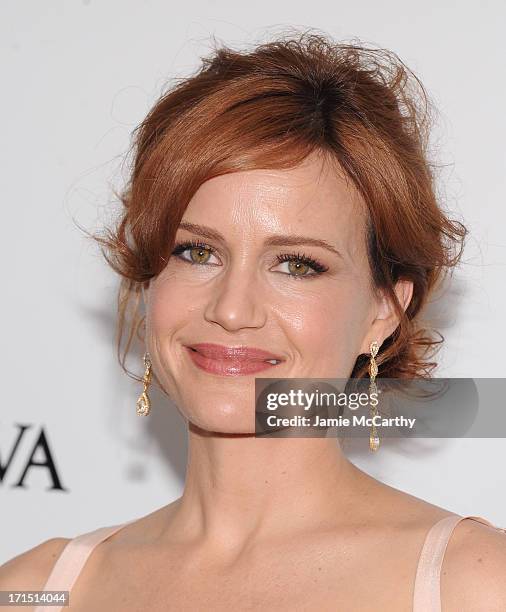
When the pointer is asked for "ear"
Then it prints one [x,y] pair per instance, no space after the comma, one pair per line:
[386,320]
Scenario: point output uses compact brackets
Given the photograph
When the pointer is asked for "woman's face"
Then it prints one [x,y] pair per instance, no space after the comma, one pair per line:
[249,284]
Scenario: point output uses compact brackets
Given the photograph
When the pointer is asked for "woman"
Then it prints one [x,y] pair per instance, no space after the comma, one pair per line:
[280,220]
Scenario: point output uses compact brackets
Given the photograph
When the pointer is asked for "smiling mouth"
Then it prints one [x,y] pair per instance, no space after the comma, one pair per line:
[237,358]
[231,361]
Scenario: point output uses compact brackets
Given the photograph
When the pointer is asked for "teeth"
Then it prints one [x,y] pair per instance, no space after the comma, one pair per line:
[273,361]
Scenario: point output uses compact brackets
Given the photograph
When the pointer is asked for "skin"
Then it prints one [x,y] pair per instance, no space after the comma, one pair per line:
[272,524]
[242,295]
[237,485]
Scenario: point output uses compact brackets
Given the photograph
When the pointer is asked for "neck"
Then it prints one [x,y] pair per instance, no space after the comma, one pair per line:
[239,488]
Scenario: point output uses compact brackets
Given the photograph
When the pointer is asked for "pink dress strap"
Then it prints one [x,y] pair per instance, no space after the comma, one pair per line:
[72,559]
[427,593]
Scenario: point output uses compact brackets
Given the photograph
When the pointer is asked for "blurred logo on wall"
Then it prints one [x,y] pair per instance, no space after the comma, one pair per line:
[25,449]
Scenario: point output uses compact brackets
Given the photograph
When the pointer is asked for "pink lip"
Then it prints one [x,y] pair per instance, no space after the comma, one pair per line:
[230,360]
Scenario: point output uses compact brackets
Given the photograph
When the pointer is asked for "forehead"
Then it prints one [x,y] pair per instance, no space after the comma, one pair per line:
[313,199]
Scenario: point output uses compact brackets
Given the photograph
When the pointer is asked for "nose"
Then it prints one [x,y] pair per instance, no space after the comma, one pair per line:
[236,301]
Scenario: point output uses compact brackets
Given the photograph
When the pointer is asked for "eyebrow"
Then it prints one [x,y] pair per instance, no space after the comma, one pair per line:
[273,240]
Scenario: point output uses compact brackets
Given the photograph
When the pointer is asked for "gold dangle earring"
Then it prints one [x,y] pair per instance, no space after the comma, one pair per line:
[143,403]
[374,440]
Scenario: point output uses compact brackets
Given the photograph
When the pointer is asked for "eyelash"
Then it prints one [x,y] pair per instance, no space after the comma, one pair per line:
[316,266]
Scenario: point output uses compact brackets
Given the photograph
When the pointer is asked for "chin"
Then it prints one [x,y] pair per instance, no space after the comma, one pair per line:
[221,417]
[221,426]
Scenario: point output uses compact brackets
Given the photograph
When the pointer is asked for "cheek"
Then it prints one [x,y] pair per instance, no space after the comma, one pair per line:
[326,328]
[170,305]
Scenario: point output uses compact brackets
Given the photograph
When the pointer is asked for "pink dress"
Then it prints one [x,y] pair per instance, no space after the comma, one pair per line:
[426,597]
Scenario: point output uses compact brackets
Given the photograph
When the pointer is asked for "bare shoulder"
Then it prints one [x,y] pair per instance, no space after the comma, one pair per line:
[473,575]
[401,508]
[29,570]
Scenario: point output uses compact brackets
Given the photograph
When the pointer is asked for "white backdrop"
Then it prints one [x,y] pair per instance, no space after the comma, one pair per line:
[77,78]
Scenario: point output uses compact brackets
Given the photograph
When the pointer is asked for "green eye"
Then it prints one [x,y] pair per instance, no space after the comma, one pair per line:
[298,265]
[199,255]
[298,268]
[301,266]
[193,252]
